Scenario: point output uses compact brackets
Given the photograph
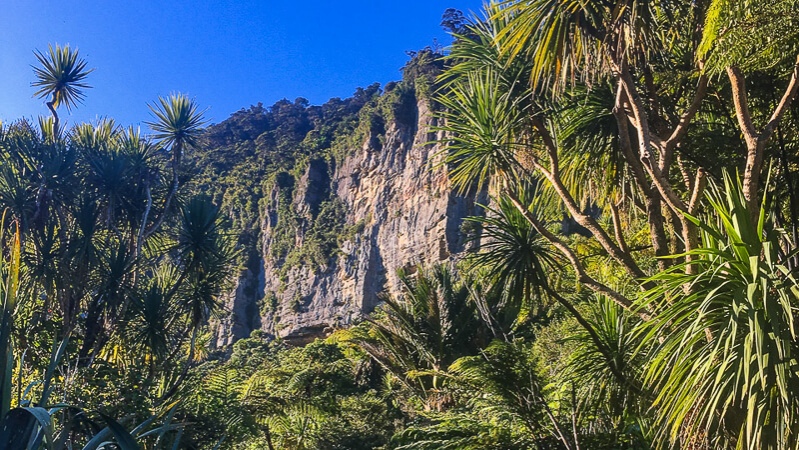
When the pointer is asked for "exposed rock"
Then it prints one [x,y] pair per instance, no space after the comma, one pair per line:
[399,211]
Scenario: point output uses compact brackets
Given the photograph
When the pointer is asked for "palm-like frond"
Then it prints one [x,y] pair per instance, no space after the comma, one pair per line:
[205,253]
[507,381]
[297,426]
[224,388]
[592,166]
[752,35]
[488,101]
[459,432]
[61,76]
[148,329]
[601,392]
[725,365]
[16,196]
[178,121]
[560,38]
[103,135]
[481,49]
[423,331]
[483,120]
[138,148]
[570,41]
[515,259]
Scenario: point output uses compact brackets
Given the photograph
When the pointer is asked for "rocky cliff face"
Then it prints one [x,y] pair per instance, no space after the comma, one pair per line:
[392,207]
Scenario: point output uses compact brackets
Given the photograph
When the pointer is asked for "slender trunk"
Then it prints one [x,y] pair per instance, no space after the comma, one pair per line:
[182,377]
[51,107]
[792,202]
[268,434]
[92,332]
[601,347]
[793,207]
[145,216]
[614,211]
[177,150]
[654,213]
[574,419]
[690,233]
[756,141]
[558,433]
[653,203]
[603,238]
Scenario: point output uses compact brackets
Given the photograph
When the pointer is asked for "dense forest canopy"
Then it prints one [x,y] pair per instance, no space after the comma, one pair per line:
[634,285]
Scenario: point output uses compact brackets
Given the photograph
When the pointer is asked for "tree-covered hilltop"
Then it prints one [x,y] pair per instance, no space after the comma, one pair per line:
[243,151]
[244,154]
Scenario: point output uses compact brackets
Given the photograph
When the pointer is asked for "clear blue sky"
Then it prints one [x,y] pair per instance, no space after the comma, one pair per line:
[226,54]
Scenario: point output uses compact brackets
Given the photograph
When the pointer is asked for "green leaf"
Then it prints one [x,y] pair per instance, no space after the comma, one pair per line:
[121,435]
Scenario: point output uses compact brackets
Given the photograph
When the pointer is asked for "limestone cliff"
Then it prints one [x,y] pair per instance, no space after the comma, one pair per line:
[390,204]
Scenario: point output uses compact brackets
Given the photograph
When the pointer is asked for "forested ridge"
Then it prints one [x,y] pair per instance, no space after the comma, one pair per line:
[632,284]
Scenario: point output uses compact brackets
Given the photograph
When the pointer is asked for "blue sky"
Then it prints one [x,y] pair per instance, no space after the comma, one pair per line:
[226,54]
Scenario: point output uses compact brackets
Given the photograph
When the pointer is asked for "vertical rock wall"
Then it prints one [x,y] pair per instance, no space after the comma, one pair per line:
[399,211]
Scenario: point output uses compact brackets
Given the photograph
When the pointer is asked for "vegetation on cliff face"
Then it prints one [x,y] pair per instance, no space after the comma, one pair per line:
[255,149]
[665,133]
[264,150]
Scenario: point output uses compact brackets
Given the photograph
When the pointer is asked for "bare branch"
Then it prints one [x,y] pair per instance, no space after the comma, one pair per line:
[756,142]
[686,176]
[614,211]
[652,208]
[550,146]
[585,220]
[785,102]
[682,126]
[741,103]
[582,275]
[626,146]
[699,184]
[645,144]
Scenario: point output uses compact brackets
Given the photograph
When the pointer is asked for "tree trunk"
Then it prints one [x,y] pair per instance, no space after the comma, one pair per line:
[51,107]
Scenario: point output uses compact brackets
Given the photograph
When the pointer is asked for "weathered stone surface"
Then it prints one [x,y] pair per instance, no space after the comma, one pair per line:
[399,201]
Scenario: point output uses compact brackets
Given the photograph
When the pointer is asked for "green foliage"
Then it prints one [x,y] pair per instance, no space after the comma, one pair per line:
[752,35]
[178,122]
[461,431]
[417,336]
[483,117]
[115,263]
[111,268]
[616,406]
[506,373]
[399,104]
[9,285]
[62,75]
[421,71]
[515,261]
[312,397]
[322,239]
[708,361]
[725,348]
[563,41]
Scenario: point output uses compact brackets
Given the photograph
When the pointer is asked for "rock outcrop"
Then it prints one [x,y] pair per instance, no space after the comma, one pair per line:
[397,209]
